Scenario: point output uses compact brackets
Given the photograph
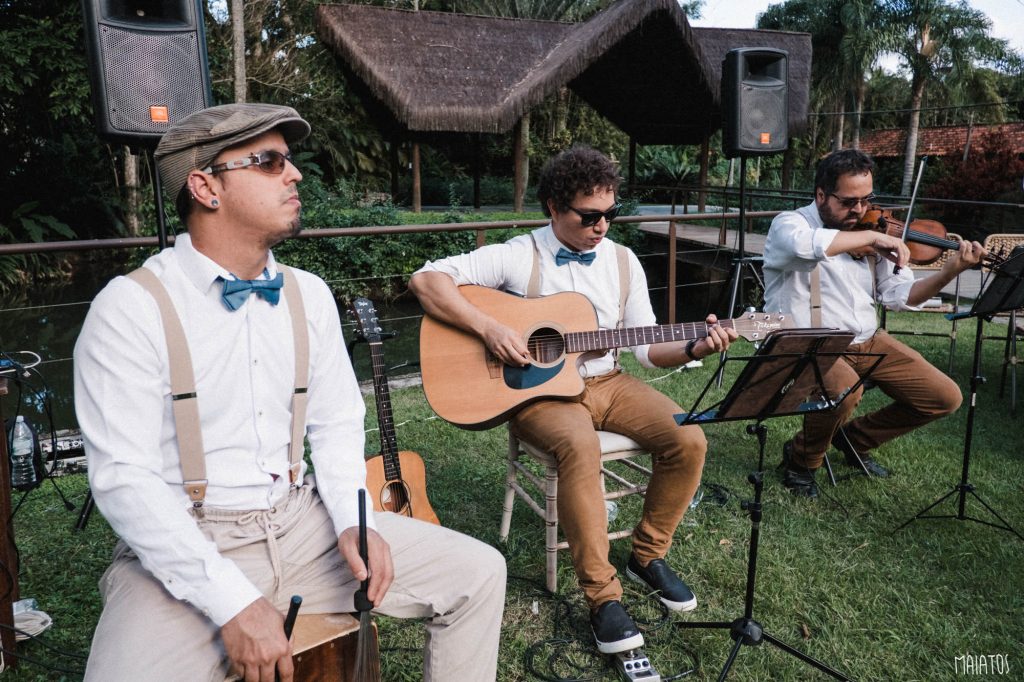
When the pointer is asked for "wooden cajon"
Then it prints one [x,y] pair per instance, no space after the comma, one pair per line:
[324,647]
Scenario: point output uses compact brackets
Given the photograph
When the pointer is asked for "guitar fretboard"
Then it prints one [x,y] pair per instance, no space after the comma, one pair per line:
[603,339]
[385,418]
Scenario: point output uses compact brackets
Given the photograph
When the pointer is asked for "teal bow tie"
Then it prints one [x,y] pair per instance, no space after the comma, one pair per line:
[236,291]
[565,255]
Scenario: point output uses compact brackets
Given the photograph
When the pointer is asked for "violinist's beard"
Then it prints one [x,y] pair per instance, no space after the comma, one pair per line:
[844,221]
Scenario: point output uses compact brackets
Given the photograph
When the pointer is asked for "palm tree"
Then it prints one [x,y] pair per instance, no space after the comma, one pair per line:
[865,37]
[937,37]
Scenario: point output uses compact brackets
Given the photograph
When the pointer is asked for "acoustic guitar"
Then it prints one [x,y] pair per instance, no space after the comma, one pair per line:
[395,480]
[468,386]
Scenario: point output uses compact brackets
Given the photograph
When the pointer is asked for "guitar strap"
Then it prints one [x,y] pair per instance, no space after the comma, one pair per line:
[621,255]
[184,401]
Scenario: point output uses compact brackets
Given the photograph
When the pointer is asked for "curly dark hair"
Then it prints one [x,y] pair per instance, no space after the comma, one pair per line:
[839,163]
[579,169]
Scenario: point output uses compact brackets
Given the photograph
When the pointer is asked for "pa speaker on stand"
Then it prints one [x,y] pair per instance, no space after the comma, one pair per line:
[148,66]
[755,122]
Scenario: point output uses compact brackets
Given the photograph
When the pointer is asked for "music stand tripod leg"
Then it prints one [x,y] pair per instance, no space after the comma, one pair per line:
[746,631]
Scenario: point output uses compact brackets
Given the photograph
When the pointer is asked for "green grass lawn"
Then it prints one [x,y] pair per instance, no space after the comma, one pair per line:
[834,580]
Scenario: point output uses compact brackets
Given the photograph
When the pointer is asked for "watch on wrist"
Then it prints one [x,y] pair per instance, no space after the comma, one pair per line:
[688,349]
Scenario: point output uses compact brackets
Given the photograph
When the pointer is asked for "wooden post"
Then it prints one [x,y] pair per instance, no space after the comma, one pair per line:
[393,161]
[632,166]
[478,166]
[417,199]
[521,160]
[702,179]
[672,226]
[8,554]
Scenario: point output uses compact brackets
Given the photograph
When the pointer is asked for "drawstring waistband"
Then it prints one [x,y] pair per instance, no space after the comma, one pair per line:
[264,517]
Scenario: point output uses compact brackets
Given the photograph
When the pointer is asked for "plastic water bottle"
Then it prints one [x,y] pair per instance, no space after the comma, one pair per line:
[23,473]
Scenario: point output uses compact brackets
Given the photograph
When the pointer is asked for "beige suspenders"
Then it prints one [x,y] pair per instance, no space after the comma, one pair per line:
[816,291]
[816,296]
[184,403]
[622,256]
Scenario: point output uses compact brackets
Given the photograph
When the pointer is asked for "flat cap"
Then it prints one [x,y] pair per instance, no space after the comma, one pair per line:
[193,142]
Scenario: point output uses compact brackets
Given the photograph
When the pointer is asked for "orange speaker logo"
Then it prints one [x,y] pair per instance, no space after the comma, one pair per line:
[158,114]
[766,138]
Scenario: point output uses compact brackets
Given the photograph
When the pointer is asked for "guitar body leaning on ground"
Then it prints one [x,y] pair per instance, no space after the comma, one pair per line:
[396,481]
[469,387]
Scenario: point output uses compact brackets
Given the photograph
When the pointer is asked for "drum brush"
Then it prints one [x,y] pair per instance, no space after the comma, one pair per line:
[367,668]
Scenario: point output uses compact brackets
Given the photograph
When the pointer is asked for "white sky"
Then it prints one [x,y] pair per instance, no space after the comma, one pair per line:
[1007,17]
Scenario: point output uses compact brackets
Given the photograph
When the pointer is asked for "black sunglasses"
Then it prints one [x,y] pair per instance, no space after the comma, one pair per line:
[269,161]
[591,218]
[850,202]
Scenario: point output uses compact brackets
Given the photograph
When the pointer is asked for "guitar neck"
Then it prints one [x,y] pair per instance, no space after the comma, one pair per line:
[385,417]
[603,339]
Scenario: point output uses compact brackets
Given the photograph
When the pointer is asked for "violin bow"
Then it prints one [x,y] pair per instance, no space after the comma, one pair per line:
[910,208]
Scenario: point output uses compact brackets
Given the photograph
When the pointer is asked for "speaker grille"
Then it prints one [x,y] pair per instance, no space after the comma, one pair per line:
[763,111]
[150,69]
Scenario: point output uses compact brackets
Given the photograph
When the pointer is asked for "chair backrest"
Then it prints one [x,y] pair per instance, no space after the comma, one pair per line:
[1003,243]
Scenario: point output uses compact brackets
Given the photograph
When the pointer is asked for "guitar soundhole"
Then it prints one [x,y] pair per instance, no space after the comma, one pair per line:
[546,345]
[394,497]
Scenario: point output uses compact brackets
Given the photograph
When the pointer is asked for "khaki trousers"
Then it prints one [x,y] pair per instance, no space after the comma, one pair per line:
[454,581]
[920,394]
[567,429]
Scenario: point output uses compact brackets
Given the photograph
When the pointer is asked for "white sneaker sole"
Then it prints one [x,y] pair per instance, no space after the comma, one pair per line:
[672,605]
[618,646]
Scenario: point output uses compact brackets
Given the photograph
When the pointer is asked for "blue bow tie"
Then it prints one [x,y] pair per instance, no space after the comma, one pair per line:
[236,291]
[565,255]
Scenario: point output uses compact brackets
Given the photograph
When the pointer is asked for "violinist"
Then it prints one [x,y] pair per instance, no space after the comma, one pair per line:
[821,267]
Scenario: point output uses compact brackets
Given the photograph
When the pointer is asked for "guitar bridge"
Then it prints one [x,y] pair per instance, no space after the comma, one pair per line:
[494,365]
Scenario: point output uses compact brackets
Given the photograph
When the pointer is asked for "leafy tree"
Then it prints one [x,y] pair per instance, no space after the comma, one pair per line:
[938,37]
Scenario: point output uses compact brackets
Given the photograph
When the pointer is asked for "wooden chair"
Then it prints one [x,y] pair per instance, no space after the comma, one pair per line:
[614,448]
[324,647]
[944,308]
[1004,244]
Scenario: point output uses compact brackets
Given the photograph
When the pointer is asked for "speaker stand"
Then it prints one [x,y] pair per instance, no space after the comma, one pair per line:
[158,198]
[741,263]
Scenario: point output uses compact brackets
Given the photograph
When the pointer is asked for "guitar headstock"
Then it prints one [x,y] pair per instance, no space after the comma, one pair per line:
[367,324]
[754,326]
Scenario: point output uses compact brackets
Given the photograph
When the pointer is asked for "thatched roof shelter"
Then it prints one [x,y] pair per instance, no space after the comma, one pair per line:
[638,63]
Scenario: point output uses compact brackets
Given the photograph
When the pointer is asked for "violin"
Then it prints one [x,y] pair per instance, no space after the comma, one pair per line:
[926,239]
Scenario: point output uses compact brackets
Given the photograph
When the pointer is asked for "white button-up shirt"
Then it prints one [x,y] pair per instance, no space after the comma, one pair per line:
[244,372]
[508,266]
[796,244]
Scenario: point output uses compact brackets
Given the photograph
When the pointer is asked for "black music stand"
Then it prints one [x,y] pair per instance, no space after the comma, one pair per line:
[784,377]
[1002,291]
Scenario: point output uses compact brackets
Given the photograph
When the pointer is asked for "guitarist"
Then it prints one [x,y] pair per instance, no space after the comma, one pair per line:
[577,191]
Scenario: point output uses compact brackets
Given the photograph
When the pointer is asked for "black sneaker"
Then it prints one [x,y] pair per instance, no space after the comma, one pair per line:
[614,630]
[841,443]
[657,575]
[799,479]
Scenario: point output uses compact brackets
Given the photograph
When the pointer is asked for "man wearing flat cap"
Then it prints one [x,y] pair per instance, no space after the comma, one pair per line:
[197,379]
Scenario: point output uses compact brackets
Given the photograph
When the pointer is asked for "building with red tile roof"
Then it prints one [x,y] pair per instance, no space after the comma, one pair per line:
[941,141]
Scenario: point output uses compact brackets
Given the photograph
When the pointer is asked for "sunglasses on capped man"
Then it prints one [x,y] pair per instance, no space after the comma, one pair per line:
[269,161]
